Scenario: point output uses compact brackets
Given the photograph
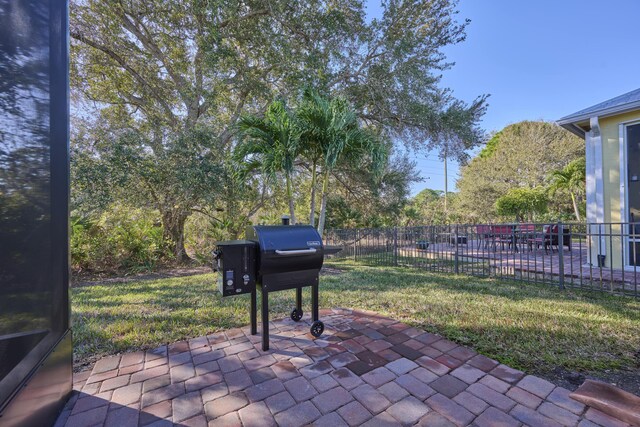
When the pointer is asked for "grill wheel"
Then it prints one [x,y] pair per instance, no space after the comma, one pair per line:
[317,328]
[296,315]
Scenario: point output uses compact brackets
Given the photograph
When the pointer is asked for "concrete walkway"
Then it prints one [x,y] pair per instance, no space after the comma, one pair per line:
[365,370]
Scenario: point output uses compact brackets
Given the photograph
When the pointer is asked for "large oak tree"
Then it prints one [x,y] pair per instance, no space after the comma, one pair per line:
[167,81]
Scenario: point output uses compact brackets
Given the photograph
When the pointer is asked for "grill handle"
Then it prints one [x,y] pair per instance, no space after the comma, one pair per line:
[296,252]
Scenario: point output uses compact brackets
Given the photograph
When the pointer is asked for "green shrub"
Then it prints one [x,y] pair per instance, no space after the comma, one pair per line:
[202,232]
[122,238]
[523,203]
[200,237]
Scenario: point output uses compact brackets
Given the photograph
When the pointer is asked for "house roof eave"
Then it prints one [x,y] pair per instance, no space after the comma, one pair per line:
[620,104]
[607,112]
[574,129]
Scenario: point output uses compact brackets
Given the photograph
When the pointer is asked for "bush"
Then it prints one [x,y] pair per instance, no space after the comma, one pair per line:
[121,238]
[201,232]
[523,203]
[200,237]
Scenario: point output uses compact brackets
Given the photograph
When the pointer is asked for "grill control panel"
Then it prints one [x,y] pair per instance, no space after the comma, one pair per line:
[235,262]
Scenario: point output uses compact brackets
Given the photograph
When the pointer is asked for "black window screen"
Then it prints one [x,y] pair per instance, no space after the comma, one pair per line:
[633,189]
[33,188]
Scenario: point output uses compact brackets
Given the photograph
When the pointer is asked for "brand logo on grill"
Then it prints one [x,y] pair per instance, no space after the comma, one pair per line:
[313,243]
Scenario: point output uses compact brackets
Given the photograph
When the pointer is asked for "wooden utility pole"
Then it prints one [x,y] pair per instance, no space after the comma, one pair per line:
[446,183]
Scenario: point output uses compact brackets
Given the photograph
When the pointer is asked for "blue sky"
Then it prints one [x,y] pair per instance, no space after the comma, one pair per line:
[539,59]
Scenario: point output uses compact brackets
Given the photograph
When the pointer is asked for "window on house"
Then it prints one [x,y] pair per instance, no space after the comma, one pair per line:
[633,191]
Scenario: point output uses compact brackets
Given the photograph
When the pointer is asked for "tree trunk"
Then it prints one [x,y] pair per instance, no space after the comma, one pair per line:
[312,213]
[173,232]
[575,206]
[292,213]
[323,203]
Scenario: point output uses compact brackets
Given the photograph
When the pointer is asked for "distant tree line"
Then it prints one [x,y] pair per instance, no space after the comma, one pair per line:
[528,171]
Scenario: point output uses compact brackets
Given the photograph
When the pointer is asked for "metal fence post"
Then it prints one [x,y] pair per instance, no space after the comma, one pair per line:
[561,254]
[395,246]
[355,245]
[456,264]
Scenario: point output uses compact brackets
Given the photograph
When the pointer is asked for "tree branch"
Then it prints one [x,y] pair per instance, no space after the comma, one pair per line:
[120,61]
[205,213]
[260,12]
[147,41]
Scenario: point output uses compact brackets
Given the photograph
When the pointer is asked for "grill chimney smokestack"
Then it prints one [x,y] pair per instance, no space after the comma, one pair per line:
[285,219]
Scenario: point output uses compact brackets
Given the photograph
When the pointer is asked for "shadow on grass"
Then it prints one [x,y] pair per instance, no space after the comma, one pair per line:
[142,315]
[518,323]
[445,270]
[402,277]
[521,324]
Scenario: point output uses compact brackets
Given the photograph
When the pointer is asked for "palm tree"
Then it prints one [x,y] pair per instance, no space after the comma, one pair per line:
[572,179]
[331,135]
[311,117]
[272,144]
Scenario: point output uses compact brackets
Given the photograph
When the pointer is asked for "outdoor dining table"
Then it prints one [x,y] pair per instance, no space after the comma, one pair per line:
[510,237]
[523,233]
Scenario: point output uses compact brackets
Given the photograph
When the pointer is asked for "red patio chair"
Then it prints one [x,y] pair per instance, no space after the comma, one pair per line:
[526,232]
[527,228]
[503,234]
[541,239]
[484,234]
[550,238]
[555,237]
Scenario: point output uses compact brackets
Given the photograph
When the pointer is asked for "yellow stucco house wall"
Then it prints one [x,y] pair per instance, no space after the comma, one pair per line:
[611,130]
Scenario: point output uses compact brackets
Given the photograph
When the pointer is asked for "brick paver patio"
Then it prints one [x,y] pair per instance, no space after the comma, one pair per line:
[365,370]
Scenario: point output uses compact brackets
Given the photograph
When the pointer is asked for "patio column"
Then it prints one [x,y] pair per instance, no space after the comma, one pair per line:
[590,185]
[595,188]
[622,165]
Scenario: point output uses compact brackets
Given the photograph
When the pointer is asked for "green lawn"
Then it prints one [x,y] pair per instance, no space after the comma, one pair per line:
[531,327]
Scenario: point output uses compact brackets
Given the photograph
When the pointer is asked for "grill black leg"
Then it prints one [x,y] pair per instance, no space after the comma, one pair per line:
[299,299]
[265,320]
[314,302]
[254,310]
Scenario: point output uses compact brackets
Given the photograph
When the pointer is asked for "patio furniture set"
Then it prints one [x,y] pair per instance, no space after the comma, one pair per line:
[511,236]
[524,234]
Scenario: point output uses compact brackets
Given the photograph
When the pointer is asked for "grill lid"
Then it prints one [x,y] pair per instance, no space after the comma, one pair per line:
[287,238]
[287,248]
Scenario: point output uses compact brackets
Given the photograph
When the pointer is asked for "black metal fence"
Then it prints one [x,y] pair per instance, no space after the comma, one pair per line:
[599,257]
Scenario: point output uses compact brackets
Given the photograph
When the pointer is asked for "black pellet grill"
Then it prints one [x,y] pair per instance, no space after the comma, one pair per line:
[273,258]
